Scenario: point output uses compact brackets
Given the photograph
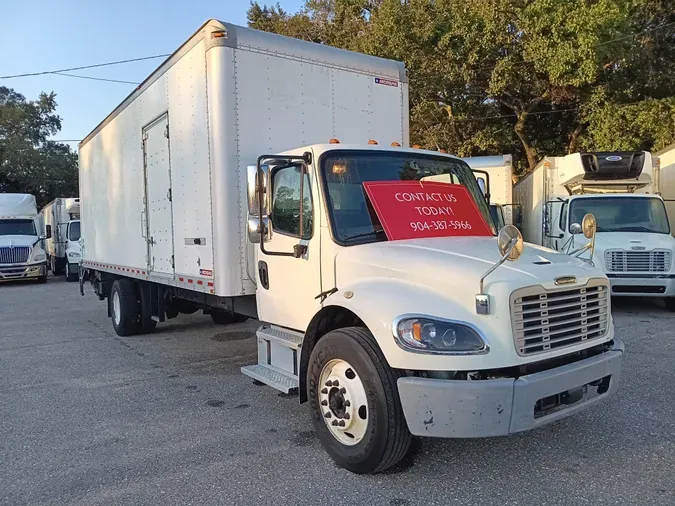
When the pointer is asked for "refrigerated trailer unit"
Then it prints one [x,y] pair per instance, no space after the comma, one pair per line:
[666,160]
[231,181]
[496,172]
[58,218]
[633,244]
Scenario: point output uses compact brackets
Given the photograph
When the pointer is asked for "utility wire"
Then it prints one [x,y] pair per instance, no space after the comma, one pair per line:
[94,78]
[97,65]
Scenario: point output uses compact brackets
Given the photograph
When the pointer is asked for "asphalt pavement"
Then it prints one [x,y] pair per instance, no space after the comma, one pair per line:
[87,417]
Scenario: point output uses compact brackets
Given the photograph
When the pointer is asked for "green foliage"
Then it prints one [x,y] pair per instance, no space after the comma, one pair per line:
[527,77]
[29,163]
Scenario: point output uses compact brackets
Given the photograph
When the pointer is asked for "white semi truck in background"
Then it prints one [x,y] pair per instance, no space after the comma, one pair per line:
[61,221]
[21,256]
[633,246]
[232,181]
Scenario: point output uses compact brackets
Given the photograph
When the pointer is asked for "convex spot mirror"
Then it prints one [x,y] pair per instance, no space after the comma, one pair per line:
[510,242]
[589,226]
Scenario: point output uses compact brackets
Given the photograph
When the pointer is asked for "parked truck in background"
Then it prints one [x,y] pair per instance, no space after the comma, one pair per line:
[633,245]
[61,221]
[21,256]
[666,188]
[236,187]
[496,173]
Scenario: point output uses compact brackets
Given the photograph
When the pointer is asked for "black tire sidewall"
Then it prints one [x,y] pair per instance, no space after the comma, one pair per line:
[129,307]
[364,456]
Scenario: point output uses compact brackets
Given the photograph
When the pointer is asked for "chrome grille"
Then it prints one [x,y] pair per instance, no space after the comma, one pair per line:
[15,255]
[638,261]
[546,320]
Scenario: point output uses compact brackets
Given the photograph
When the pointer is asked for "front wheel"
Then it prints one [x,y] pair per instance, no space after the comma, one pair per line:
[70,275]
[356,409]
[124,306]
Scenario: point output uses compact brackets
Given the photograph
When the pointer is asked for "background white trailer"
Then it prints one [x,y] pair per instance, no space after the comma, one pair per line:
[666,159]
[499,169]
[163,177]
[56,215]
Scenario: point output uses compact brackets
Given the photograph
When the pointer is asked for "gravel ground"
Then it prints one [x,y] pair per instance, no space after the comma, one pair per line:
[88,417]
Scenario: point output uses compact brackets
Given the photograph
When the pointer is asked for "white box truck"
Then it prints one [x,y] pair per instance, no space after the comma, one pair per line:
[633,245]
[666,160]
[232,181]
[495,177]
[61,221]
[21,255]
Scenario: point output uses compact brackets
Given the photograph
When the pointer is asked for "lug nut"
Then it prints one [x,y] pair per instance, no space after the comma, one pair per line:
[329,383]
[327,414]
[347,404]
[336,383]
[341,423]
[346,417]
[343,390]
[324,391]
[324,402]
[335,423]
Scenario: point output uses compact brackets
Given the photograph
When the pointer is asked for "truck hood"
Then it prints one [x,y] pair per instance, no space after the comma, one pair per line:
[630,241]
[18,240]
[457,263]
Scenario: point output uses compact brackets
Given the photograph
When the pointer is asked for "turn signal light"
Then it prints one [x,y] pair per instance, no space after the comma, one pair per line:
[334,141]
[372,142]
[416,146]
[396,144]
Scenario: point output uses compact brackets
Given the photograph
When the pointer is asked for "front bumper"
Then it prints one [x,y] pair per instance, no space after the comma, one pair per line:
[483,408]
[642,285]
[23,271]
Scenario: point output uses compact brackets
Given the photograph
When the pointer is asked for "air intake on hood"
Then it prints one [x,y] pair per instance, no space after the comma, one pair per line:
[613,165]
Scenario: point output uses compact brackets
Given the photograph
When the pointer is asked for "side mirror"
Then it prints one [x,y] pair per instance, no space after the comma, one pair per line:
[257,185]
[575,228]
[48,232]
[258,226]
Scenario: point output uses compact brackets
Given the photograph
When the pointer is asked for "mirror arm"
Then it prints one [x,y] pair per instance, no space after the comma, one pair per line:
[492,269]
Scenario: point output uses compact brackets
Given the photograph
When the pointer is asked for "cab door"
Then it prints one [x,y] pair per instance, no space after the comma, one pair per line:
[288,262]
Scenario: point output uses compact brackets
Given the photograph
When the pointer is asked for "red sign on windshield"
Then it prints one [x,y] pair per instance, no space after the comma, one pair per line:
[414,209]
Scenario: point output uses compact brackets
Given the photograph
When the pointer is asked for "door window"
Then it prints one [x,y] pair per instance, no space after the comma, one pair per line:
[286,202]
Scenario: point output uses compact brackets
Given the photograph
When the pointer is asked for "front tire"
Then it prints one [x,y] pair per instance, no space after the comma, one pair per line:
[42,279]
[670,303]
[125,308]
[356,409]
[70,276]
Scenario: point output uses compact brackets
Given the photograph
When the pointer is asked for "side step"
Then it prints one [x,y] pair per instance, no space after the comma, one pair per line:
[278,358]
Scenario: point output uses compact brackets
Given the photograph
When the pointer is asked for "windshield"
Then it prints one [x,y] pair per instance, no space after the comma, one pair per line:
[74,231]
[17,227]
[344,172]
[622,214]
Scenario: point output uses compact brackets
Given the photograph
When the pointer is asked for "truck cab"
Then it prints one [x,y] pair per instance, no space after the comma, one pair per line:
[432,314]
[73,249]
[21,254]
[633,244]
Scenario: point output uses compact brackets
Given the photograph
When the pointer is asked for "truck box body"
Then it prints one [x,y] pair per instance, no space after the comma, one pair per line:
[666,159]
[57,214]
[170,161]
[499,170]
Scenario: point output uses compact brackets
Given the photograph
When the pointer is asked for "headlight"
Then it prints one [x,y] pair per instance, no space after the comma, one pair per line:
[39,257]
[427,335]
[73,255]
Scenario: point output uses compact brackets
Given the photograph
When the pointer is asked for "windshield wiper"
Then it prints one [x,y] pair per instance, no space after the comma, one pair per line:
[636,229]
[359,236]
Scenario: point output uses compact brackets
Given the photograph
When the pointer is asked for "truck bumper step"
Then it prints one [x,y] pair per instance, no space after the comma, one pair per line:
[282,381]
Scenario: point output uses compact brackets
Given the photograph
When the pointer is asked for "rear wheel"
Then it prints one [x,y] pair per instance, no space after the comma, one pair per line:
[42,279]
[221,317]
[353,396]
[125,308]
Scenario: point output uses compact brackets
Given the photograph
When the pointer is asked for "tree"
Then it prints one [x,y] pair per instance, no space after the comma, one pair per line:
[527,77]
[29,163]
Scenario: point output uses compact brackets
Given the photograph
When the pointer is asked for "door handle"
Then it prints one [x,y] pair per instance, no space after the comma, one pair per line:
[143,225]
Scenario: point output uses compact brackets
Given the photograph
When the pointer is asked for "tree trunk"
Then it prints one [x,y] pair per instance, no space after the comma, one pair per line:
[574,139]
[519,128]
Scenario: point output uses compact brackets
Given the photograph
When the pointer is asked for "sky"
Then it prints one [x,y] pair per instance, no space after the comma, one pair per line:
[40,35]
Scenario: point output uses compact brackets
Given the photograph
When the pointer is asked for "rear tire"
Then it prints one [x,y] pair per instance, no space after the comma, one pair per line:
[42,279]
[125,307]
[350,354]
[221,317]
